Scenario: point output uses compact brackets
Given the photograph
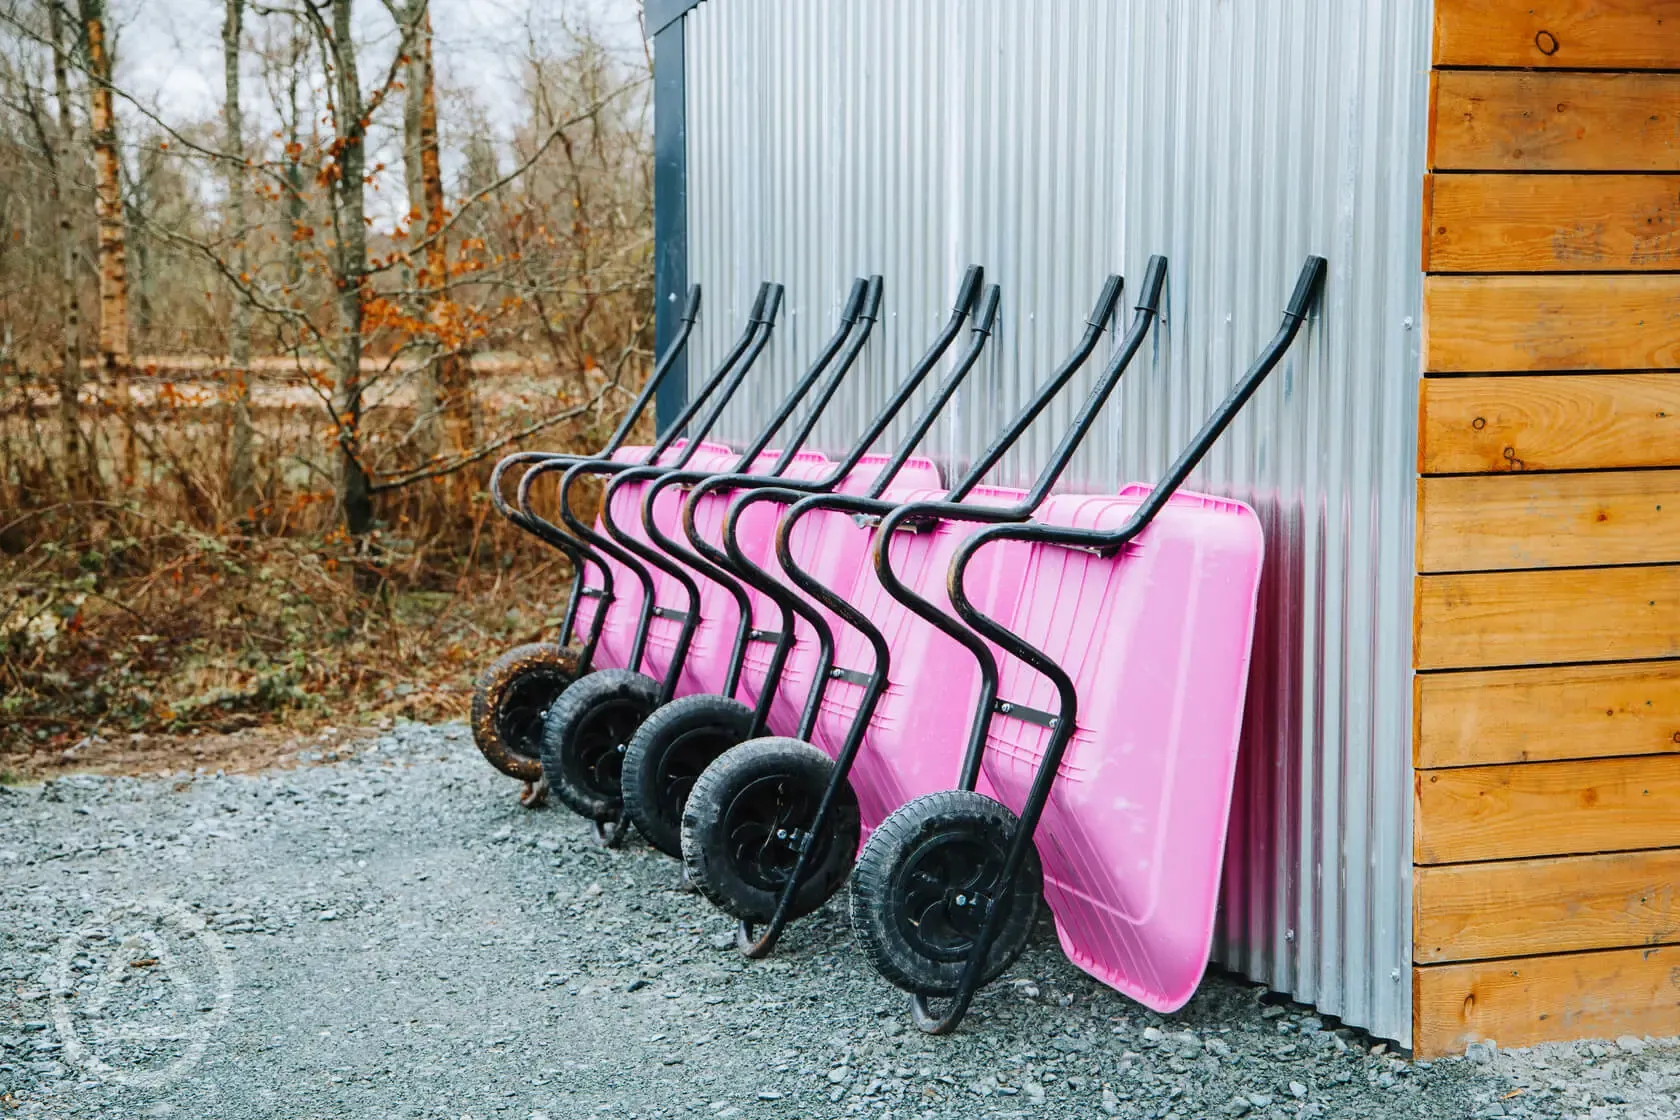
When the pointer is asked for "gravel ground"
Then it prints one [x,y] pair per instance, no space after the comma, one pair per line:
[389,935]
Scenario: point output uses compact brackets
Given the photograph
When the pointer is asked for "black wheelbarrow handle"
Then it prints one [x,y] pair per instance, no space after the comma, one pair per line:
[790,603]
[861,313]
[583,543]
[661,370]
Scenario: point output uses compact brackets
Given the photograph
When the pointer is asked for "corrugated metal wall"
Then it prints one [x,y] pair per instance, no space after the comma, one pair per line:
[1059,140]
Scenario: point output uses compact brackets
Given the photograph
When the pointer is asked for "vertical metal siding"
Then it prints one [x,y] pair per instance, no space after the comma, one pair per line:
[1054,142]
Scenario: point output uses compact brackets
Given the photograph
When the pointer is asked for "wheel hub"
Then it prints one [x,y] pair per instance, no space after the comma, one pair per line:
[943,892]
[763,823]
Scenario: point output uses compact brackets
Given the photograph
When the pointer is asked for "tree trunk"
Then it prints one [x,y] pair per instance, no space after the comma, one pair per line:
[349,218]
[79,465]
[108,207]
[293,168]
[455,393]
[241,483]
[443,397]
[428,393]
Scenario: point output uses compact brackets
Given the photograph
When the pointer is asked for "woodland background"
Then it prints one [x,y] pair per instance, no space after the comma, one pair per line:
[256,364]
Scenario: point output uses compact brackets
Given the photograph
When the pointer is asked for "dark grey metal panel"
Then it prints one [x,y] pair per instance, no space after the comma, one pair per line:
[660,14]
[670,205]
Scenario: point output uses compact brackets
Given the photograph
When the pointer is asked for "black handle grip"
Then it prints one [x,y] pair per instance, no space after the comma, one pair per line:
[854,302]
[757,312]
[1307,287]
[1154,279]
[969,289]
[772,305]
[988,310]
[1106,299]
[691,306]
[872,300]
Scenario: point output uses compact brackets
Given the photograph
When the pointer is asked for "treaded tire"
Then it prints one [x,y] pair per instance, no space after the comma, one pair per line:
[511,699]
[667,755]
[934,848]
[729,824]
[584,736]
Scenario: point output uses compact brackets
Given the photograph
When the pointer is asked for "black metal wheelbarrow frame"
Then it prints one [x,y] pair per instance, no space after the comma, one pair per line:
[972,628]
[619,699]
[683,735]
[557,666]
[514,692]
[795,897]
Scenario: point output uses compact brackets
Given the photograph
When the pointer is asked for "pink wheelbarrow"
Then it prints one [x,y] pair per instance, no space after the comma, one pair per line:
[772,827]
[1143,606]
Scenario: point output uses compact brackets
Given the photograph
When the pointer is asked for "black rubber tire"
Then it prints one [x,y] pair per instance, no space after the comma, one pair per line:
[940,845]
[510,701]
[585,735]
[730,848]
[667,755]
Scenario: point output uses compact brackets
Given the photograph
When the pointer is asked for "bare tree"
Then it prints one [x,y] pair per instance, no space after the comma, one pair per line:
[349,214]
[241,488]
[78,452]
[108,207]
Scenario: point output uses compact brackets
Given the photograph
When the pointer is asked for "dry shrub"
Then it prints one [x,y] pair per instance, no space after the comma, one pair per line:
[138,594]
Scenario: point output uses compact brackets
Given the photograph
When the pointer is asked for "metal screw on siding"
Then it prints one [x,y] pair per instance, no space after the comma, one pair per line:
[1394,975]
[1289,935]
[1407,322]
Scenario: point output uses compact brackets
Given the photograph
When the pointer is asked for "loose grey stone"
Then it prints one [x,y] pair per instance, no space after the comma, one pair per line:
[542,976]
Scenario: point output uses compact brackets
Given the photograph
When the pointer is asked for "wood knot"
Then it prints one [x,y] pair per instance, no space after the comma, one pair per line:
[1547,42]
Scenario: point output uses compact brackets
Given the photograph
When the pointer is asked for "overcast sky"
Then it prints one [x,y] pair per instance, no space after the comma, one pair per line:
[170,50]
[169,57]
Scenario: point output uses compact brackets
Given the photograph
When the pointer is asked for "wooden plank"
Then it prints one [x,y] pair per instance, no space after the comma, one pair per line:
[1552,223]
[1532,809]
[1474,911]
[1540,999]
[1488,620]
[1485,522]
[1503,120]
[1542,715]
[1578,34]
[1493,324]
[1549,423]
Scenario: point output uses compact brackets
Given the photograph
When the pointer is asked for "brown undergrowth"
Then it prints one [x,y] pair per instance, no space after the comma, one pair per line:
[139,632]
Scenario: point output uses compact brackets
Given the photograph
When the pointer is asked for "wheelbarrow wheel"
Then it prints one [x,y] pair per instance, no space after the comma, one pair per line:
[923,886]
[667,755]
[745,819]
[511,699]
[585,735]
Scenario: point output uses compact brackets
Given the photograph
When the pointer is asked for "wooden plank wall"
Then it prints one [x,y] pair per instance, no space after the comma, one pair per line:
[1547,640]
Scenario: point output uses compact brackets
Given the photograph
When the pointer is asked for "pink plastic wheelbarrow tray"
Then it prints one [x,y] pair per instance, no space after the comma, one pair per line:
[513,693]
[729,521]
[1142,605]
[887,704]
